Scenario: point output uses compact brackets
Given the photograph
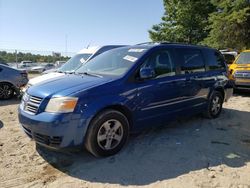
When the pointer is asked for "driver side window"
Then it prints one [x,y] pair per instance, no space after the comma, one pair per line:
[162,63]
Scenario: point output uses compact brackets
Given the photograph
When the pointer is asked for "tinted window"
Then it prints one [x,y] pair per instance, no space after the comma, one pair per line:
[215,60]
[162,63]
[191,60]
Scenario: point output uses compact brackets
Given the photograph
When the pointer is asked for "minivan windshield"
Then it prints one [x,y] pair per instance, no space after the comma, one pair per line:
[244,58]
[75,62]
[114,62]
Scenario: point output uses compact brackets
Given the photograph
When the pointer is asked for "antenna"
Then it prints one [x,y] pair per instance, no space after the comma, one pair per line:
[88,45]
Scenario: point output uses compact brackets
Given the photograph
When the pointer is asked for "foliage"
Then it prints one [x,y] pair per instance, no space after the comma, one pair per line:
[183,21]
[230,24]
[217,23]
[11,57]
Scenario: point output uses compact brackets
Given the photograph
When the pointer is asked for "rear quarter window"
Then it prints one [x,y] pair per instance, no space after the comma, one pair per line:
[215,60]
[190,60]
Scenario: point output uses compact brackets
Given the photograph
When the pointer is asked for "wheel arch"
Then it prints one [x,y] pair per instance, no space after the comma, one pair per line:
[11,84]
[118,107]
[221,90]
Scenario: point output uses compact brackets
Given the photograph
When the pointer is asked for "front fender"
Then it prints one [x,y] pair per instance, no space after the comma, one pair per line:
[96,105]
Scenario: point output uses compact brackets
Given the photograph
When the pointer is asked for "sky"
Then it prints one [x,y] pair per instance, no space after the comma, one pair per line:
[70,25]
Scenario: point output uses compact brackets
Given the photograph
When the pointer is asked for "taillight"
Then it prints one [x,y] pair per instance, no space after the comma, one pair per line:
[24,74]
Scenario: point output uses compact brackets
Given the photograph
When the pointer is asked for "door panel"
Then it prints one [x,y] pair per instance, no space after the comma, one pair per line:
[192,67]
[157,97]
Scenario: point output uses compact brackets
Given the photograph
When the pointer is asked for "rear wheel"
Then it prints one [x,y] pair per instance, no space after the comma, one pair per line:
[6,91]
[214,105]
[107,133]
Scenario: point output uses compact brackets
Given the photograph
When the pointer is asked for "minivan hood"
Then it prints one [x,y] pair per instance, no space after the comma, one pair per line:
[243,66]
[65,85]
[44,77]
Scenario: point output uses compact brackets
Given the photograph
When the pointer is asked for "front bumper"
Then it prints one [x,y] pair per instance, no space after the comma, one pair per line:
[53,130]
[243,84]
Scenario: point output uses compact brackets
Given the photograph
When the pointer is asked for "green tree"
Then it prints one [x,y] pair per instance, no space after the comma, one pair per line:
[183,21]
[11,57]
[230,24]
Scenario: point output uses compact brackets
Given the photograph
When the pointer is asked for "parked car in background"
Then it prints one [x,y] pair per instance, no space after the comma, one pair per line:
[229,56]
[11,81]
[74,63]
[240,71]
[42,67]
[26,65]
[57,65]
[3,63]
[125,90]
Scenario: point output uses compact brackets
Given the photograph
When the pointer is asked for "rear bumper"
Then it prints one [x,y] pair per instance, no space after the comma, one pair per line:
[228,89]
[53,130]
[18,87]
[228,94]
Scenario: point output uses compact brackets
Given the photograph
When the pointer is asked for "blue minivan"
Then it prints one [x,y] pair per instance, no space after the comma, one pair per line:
[125,90]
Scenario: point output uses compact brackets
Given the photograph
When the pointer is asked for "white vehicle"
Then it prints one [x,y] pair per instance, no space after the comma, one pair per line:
[43,67]
[229,56]
[59,63]
[26,63]
[72,64]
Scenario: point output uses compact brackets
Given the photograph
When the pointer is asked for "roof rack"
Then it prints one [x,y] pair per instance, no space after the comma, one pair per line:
[148,43]
[167,42]
[160,42]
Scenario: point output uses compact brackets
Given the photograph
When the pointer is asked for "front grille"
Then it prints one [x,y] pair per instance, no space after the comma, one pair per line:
[31,103]
[242,74]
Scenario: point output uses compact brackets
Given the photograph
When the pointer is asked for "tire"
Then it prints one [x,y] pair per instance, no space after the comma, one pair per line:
[214,105]
[107,133]
[6,91]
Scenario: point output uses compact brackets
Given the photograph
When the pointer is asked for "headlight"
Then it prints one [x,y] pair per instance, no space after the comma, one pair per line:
[61,105]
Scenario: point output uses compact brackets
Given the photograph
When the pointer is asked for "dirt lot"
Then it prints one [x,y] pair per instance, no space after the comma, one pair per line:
[194,152]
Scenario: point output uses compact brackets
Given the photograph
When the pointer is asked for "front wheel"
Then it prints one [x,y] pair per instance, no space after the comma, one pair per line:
[214,105]
[107,133]
[6,91]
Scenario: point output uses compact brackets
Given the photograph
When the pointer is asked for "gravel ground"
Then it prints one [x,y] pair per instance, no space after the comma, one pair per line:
[194,152]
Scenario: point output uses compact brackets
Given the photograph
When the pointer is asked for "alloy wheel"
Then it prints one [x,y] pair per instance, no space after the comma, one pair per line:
[110,134]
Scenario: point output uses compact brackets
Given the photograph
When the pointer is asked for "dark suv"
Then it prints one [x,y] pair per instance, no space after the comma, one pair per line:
[11,81]
[124,90]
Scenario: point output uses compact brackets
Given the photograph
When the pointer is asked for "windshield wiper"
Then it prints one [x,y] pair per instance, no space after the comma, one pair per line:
[89,74]
[65,72]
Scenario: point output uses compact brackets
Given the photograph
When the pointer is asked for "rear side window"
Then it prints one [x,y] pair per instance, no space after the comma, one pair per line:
[215,60]
[191,60]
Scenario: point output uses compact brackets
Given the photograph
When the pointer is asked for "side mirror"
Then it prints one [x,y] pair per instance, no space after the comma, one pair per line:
[147,73]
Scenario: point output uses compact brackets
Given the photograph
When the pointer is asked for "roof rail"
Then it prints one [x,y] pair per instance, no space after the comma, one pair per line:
[168,42]
[147,43]
[160,42]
